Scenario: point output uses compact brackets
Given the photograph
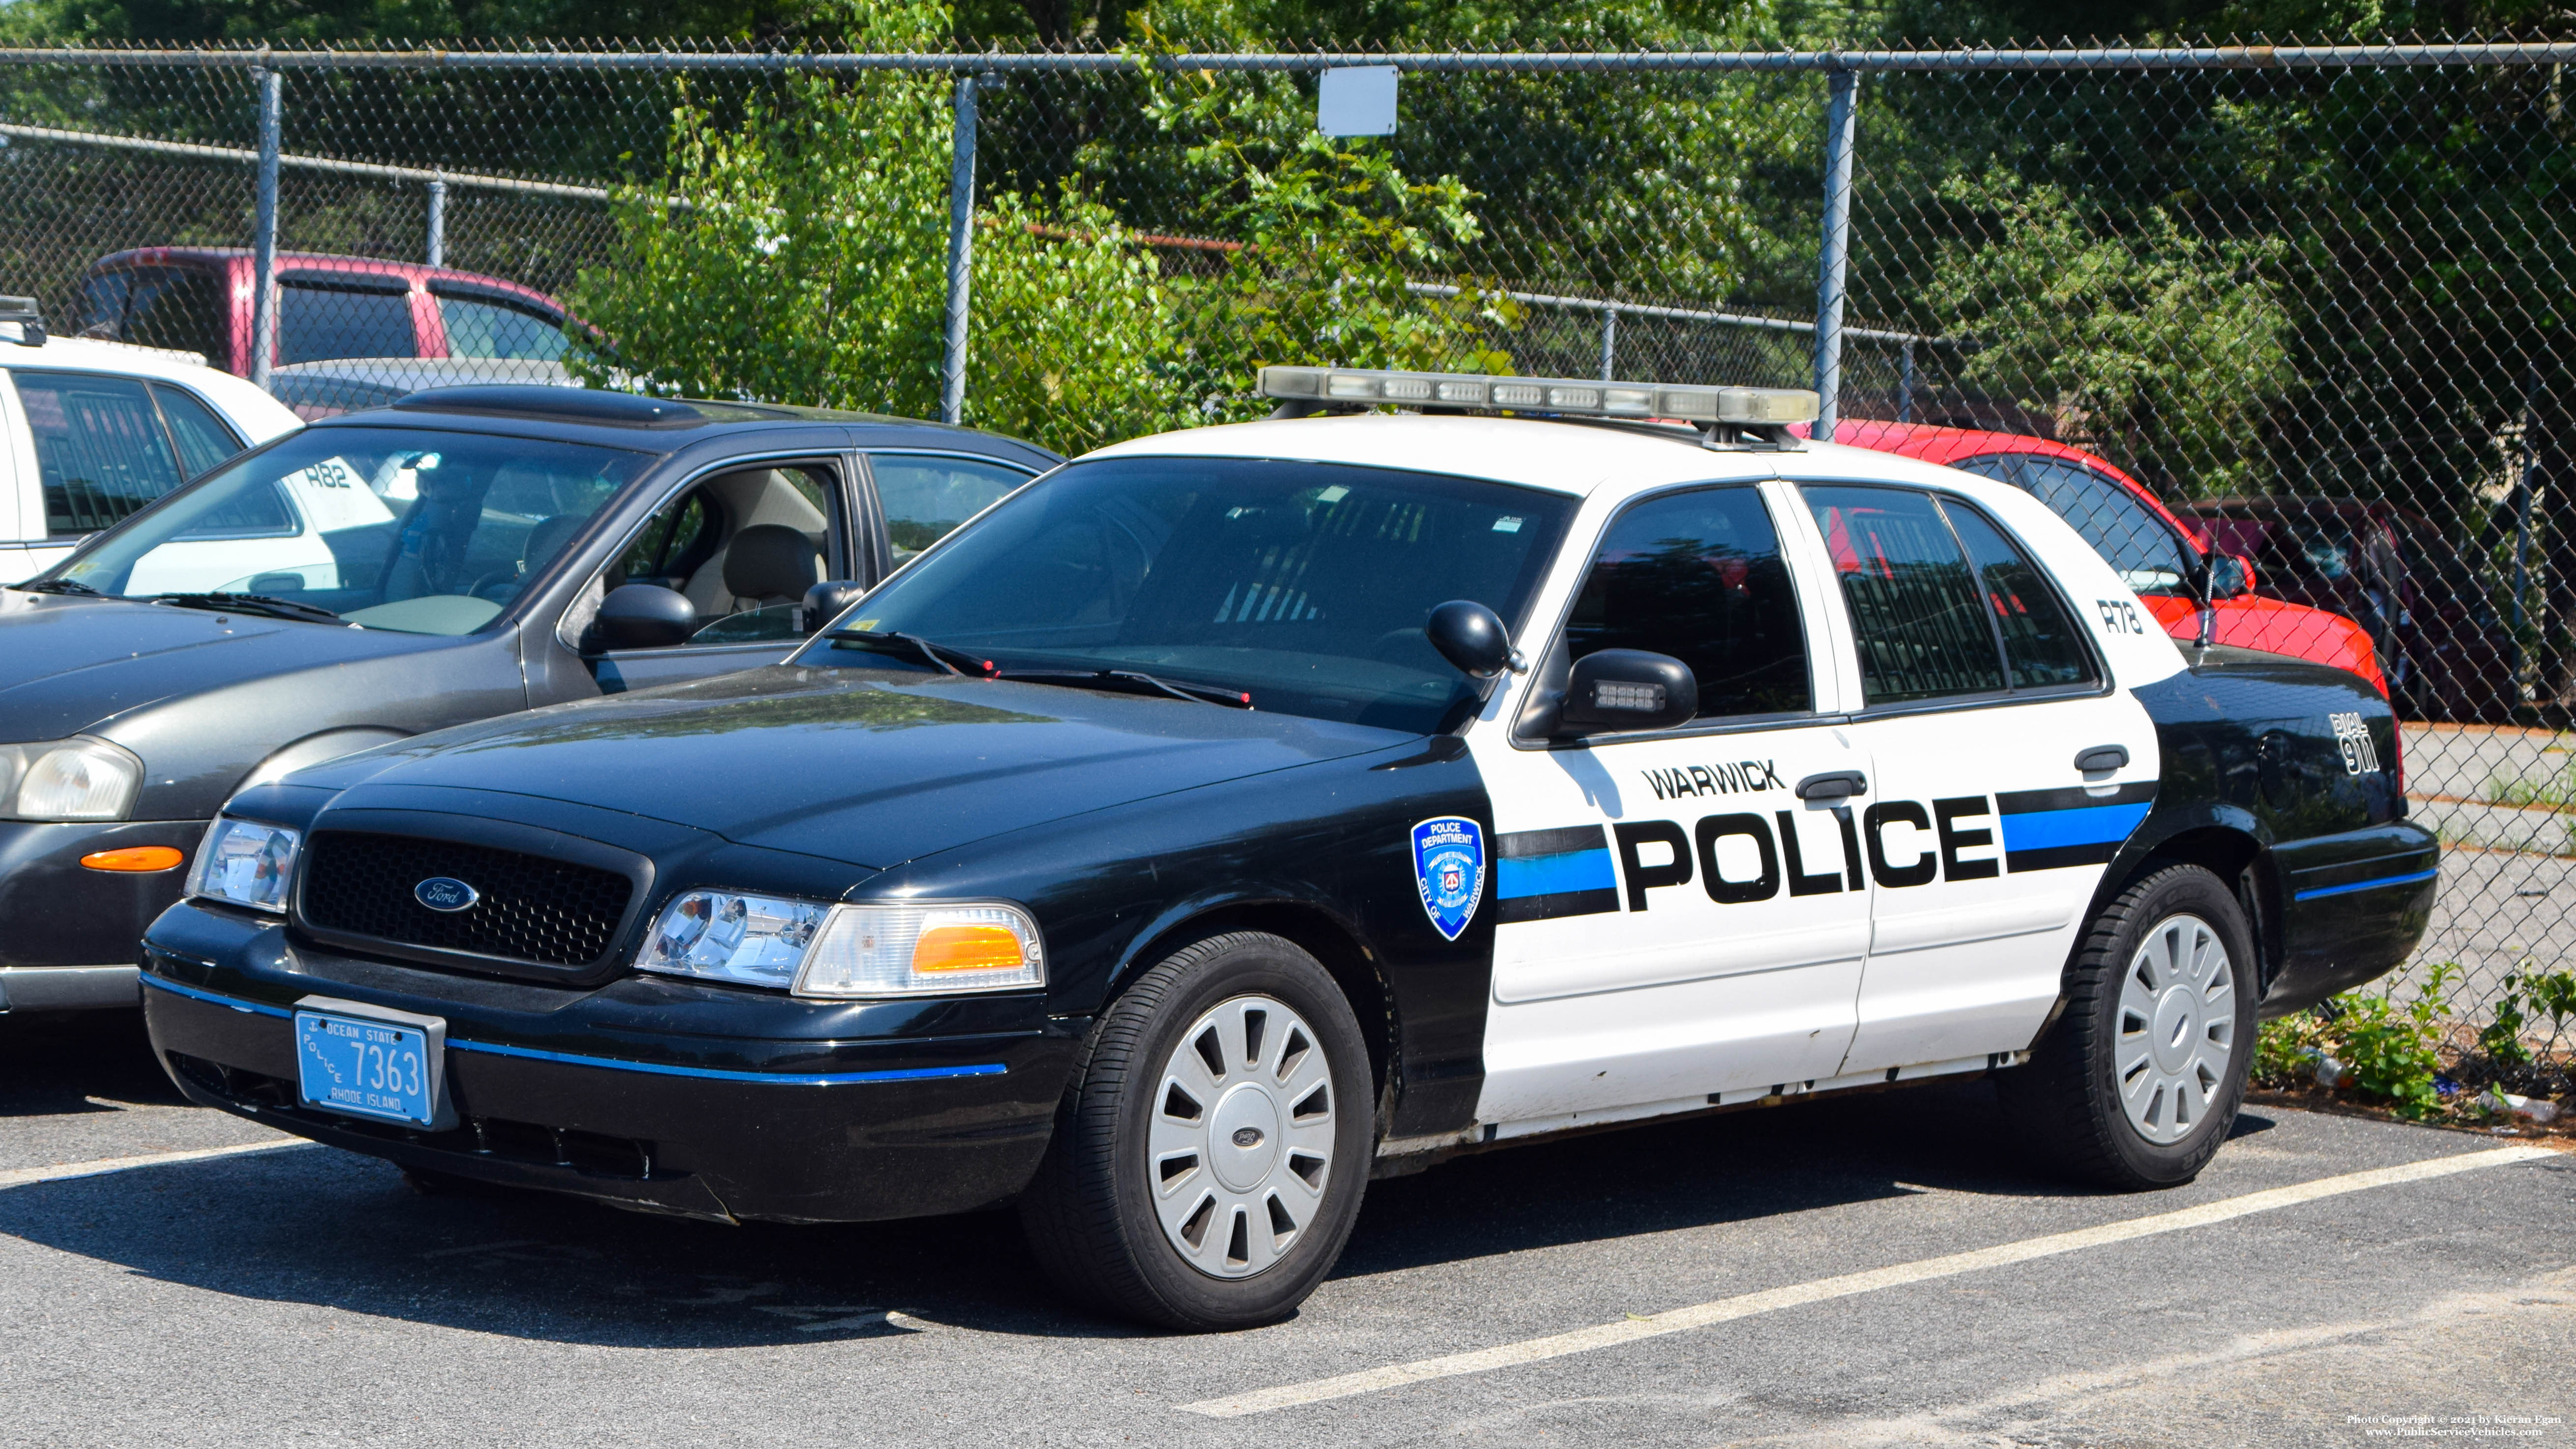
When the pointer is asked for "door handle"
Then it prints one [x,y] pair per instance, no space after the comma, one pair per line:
[1833,785]
[2102,757]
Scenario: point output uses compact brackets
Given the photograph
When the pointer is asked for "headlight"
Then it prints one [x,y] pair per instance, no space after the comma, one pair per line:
[818,949]
[245,863]
[69,780]
[924,950]
[732,936]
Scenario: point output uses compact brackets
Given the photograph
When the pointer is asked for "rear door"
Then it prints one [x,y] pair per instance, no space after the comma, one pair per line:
[1673,923]
[1980,691]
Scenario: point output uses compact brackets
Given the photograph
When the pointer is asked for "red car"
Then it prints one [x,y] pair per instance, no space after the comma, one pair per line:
[2152,549]
[2449,657]
[199,299]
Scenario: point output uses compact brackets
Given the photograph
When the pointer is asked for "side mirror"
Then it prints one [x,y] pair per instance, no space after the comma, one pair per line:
[1472,637]
[824,603]
[2226,576]
[1627,689]
[645,616]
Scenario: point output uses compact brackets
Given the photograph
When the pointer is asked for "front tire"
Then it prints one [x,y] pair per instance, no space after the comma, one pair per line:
[2140,1079]
[1209,1157]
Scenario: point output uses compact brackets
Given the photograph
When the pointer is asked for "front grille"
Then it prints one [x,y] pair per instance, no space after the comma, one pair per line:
[532,909]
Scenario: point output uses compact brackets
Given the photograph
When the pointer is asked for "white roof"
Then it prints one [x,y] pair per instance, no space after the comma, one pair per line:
[258,415]
[1566,457]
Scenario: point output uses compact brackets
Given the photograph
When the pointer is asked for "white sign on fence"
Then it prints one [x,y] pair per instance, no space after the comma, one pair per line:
[1356,100]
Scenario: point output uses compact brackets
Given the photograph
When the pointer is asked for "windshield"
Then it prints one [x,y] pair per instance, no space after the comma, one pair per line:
[393,528]
[1305,585]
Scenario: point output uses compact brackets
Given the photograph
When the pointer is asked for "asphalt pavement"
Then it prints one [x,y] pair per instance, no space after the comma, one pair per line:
[1884,1270]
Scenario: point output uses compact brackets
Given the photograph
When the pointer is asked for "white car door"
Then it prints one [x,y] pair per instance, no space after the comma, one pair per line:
[1981,690]
[1673,924]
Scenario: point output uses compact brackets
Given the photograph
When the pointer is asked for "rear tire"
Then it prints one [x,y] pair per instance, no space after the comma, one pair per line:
[2139,1081]
[1210,1153]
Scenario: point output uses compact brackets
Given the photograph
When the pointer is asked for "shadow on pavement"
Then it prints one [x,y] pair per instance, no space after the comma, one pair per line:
[317,1226]
[53,1062]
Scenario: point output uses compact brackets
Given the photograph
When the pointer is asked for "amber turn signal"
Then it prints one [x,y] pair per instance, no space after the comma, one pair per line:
[967,948]
[134,858]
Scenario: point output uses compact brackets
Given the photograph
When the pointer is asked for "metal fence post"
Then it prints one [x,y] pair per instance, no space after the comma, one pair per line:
[961,253]
[263,324]
[438,223]
[1835,252]
[1609,343]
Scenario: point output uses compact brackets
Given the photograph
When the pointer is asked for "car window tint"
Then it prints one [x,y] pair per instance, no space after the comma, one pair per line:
[1915,606]
[407,529]
[2142,548]
[100,448]
[478,328]
[925,496]
[2002,467]
[203,439]
[179,309]
[102,309]
[2041,646]
[1304,585]
[317,323]
[1698,576]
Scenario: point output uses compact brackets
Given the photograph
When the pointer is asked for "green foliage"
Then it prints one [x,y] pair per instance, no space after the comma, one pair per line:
[2167,347]
[2523,997]
[2389,1053]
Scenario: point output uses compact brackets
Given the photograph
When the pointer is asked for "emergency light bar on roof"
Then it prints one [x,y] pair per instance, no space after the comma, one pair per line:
[1735,407]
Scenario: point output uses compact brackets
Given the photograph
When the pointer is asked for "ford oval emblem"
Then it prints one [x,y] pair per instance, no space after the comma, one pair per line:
[445,893]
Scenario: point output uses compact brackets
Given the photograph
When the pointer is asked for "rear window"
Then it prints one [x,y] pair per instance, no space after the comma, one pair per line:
[319,322]
[159,307]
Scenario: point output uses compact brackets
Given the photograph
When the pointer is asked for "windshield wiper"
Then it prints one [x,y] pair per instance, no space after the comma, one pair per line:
[59,586]
[274,608]
[936,653]
[1129,680]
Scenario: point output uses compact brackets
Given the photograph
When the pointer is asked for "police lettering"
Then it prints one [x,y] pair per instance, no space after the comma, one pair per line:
[1782,854]
[1741,777]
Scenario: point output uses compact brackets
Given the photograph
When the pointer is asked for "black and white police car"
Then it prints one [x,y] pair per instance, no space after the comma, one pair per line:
[1232,815]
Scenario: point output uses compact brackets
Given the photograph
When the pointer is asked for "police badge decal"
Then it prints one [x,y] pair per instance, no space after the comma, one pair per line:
[1449,865]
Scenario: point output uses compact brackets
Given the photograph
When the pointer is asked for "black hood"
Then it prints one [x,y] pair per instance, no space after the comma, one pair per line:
[860,766]
[69,665]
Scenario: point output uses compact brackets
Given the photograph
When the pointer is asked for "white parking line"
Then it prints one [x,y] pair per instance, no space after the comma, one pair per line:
[25,1176]
[1701,1315]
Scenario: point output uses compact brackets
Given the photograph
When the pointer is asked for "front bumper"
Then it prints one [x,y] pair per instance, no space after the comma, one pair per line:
[56,912]
[646,1093]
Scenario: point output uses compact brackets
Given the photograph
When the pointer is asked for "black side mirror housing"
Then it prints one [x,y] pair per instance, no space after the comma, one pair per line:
[1627,689]
[825,601]
[644,616]
[1472,637]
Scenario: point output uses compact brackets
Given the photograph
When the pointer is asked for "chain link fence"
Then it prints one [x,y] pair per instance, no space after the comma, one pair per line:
[2306,307]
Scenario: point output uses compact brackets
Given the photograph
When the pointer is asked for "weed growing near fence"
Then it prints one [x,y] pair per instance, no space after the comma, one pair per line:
[2415,1058]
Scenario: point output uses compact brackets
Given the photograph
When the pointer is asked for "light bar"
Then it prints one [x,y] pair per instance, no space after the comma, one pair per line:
[1365,386]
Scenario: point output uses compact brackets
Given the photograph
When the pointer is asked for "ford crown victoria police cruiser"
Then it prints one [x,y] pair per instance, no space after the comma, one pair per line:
[1234,814]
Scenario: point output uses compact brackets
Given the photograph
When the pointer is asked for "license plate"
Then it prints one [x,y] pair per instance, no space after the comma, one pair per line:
[366,1067]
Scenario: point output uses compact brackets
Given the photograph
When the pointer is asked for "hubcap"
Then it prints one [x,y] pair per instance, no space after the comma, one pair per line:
[1242,1139]
[2177,1028]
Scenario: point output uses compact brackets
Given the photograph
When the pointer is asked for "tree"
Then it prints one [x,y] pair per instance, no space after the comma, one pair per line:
[2165,348]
